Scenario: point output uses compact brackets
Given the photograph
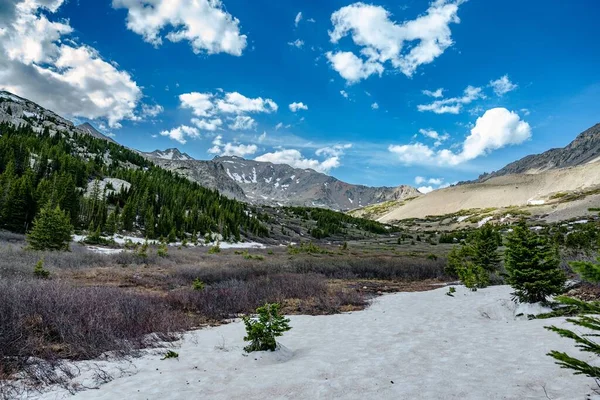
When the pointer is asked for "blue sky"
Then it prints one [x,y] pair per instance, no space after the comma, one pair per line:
[340,88]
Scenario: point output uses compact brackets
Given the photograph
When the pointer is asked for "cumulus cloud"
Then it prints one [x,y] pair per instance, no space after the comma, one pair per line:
[497,128]
[502,85]
[430,133]
[294,107]
[375,106]
[203,23]
[243,123]
[231,149]
[433,181]
[344,93]
[453,105]
[208,124]
[436,93]
[294,158]
[405,45]
[40,62]
[213,108]
[181,133]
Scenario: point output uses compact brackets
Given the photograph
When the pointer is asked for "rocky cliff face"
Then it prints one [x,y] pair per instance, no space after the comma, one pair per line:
[279,184]
[583,150]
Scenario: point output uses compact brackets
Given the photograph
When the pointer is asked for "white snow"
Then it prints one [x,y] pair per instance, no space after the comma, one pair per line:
[462,218]
[11,97]
[268,180]
[254,177]
[484,221]
[350,200]
[104,250]
[405,346]
[533,202]
[581,221]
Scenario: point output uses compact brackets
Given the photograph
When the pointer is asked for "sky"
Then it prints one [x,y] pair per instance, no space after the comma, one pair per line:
[378,93]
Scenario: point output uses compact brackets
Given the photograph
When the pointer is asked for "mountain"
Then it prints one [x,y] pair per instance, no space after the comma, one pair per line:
[279,184]
[170,154]
[90,130]
[584,149]
[555,185]
[19,111]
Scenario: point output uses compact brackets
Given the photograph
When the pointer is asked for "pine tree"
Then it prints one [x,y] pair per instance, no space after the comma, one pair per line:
[532,264]
[51,230]
[583,341]
[589,271]
[485,243]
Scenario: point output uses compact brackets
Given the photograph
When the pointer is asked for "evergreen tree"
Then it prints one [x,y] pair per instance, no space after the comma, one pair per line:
[590,322]
[589,271]
[485,243]
[51,230]
[532,264]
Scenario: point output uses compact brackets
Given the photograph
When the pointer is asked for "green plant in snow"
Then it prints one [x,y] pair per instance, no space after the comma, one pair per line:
[170,354]
[215,249]
[583,341]
[263,329]
[451,291]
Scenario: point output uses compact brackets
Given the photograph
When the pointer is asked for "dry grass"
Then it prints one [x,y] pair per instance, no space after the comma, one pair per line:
[94,303]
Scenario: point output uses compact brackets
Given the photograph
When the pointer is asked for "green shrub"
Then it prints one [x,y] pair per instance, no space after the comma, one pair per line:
[214,249]
[170,354]
[198,284]
[39,271]
[163,250]
[451,291]
[262,330]
[588,271]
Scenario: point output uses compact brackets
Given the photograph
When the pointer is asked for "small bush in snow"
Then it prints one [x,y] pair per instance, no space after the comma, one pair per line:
[451,291]
[170,354]
[262,330]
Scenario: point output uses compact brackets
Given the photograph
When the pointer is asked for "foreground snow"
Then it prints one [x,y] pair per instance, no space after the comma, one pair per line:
[405,346]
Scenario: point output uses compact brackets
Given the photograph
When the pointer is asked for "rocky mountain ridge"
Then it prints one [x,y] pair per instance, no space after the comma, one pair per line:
[280,184]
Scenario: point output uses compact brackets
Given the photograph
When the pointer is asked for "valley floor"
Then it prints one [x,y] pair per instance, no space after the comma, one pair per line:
[422,345]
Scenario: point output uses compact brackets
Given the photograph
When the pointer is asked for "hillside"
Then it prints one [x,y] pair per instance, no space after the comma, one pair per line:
[583,150]
[553,185]
[265,183]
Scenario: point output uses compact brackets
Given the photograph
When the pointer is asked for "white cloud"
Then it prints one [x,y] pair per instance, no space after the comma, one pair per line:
[406,45]
[453,105]
[344,93]
[311,20]
[497,128]
[502,85]
[430,133]
[236,103]
[375,106]
[432,181]
[231,149]
[298,18]
[262,137]
[243,123]
[181,133]
[208,124]
[436,93]
[152,111]
[352,68]
[425,189]
[201,104]
[297,43]
[203,23]
[38,61]
[294,107]
[334,151]
[295,159]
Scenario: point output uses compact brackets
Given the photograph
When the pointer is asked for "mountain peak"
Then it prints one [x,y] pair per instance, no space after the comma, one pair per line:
[171,153]
[92,131]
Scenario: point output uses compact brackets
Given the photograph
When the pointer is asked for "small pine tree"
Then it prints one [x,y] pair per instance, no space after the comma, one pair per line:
[198,284]
[51,230]
[590,322]
[262,330]
[485,243]
[163,250]
[39,271]
[532,265]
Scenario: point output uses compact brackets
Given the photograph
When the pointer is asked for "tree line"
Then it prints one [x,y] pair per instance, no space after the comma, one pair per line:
[40,169]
